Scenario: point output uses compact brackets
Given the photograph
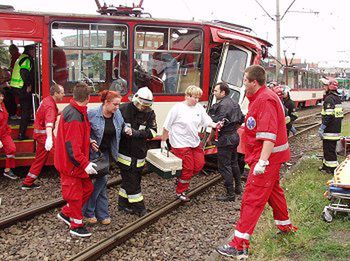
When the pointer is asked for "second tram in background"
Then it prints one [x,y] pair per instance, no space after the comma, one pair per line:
[306,89]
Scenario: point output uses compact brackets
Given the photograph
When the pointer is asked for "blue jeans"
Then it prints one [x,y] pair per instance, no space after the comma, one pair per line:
[97,205]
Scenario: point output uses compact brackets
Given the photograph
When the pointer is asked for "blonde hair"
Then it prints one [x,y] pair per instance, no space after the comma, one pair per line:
[193,90]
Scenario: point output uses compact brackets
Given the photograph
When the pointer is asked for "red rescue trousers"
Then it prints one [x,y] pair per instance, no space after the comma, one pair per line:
[10,150]
[192,163]
[76,191]
[259,190]
[41,156]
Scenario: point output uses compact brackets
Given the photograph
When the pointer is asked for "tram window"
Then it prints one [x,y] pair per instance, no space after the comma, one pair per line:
[95,53]
[234,67]
[167,59]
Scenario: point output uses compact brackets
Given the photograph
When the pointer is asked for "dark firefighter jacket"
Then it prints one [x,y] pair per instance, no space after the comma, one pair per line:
[228,109]
[332,115]
[291,112]
[144,126]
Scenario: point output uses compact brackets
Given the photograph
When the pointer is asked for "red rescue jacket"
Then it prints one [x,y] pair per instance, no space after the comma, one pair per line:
[265,121]
[46,116]
[73,141]
[4,116]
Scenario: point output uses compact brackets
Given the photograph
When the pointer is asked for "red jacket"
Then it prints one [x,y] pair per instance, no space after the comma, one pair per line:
[45,116]
[265,121]
[73,141]
[4,116]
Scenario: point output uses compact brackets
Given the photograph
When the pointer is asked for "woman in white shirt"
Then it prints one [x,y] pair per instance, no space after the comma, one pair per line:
[181,127]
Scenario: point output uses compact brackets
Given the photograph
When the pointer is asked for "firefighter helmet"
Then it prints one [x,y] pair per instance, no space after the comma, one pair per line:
[330,82]
[143,98]
[271,84]
[278,90]
[285,90]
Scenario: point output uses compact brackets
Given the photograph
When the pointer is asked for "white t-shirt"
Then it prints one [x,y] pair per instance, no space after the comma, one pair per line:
[183,124]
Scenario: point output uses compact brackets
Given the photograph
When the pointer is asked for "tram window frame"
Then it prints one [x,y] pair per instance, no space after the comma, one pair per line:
[102,49]
[156,62]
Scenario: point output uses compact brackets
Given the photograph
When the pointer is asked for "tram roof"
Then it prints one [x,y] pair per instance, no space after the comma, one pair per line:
[228,27]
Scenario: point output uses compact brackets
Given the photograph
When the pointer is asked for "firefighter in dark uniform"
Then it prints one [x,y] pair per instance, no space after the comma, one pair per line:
[330,129]
[290,106]
[140,125]
[228,112]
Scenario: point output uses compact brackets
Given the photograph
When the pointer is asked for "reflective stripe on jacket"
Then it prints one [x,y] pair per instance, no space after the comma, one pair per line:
[23,62]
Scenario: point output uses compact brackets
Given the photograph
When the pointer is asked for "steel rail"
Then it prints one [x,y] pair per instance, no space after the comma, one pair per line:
[100,248]
[311,126]
[34,211]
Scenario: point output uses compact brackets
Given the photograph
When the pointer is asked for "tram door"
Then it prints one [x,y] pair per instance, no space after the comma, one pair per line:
[233,62]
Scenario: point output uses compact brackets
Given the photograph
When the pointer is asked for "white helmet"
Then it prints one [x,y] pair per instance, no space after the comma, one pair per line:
[143,97]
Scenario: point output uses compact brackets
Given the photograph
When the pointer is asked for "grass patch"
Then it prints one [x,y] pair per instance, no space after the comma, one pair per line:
[345,128]
[315,239]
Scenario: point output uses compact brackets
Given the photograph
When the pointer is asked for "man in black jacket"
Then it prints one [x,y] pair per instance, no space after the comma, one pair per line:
[228,112]
[140,121]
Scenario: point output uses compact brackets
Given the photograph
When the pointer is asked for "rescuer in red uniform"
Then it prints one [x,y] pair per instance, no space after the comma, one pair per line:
[72,160]
[44,125]
[60,71]
[6,141]
[266,142]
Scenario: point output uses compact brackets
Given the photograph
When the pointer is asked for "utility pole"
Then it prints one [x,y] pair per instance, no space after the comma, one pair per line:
[278,38]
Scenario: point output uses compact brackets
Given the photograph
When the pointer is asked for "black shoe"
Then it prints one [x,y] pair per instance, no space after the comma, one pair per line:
[142,213]
[63,218]
[326,170]
[28,187]
[125,209]
[80,232]
[226,198]
[22,137]
[228,250]
[10,174]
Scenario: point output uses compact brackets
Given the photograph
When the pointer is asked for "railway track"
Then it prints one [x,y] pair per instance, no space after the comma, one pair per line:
[119,237]
[37,210]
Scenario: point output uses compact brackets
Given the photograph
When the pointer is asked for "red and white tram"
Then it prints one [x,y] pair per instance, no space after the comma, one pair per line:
[306,89]
[125,51]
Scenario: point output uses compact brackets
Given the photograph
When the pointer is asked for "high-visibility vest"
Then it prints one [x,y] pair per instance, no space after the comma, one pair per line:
[23,62]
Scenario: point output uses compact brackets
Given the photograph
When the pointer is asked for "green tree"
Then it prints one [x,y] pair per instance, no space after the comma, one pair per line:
[4,55]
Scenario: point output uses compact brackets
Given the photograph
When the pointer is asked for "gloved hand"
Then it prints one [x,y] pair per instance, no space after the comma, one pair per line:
[163,145]
[260,167]
[1,145]
[48,143]
[321,130]
[90,168]
[293,130]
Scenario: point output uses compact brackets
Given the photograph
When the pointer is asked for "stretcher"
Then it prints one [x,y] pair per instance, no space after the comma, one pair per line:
[338,192]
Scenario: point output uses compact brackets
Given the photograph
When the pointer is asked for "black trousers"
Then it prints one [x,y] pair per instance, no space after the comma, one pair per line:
[25,100]
[329,155]
[131,188]
[228,165]
[10,102]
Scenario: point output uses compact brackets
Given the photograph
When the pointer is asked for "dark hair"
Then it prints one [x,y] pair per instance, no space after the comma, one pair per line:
[256,72]
[28,48]
[107,95]
[81,92]
[13,48]
[55,88]
[224,87]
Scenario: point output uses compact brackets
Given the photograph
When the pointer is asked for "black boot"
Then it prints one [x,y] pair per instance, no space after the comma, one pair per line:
[230,196]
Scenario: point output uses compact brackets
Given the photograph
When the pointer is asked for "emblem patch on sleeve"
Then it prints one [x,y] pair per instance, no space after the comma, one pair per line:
[251,123]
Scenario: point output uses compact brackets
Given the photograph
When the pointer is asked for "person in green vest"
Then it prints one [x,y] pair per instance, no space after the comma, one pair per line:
[22,82]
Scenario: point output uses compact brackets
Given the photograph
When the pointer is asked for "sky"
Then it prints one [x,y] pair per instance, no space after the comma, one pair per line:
[315,30]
